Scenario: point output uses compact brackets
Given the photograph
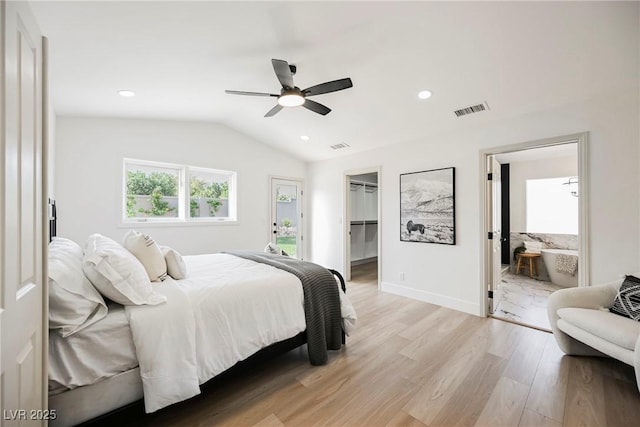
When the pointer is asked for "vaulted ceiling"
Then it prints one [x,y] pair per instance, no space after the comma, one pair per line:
[179,57]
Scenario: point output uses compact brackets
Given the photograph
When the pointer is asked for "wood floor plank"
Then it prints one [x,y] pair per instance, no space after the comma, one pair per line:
[524,361]
[468,401]
[549,389]
[402,419]
[506,404]
[621,402]
[534,419]
[585,402]
[269,421]
[443,383]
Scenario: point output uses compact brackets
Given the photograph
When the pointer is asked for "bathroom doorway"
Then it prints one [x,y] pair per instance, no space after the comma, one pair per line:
[535,217]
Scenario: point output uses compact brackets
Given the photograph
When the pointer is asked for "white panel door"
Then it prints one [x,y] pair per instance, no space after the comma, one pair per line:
[287,216]
[22,229]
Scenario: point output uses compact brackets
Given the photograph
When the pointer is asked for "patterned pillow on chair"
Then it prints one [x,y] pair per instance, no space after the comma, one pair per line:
[627,301]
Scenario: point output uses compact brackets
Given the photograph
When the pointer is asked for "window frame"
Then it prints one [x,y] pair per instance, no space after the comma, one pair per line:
[184,175]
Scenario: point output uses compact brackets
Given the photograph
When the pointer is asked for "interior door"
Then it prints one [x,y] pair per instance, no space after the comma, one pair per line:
[495,223]
[287,216]
[22,227]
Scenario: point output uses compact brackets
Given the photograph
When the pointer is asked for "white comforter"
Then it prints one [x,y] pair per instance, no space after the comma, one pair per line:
[227,309]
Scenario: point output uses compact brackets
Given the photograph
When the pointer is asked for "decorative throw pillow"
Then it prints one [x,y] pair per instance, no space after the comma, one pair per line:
[533,247]
[627,301]
[74,303]
[175,264]
[274,249]
[148,253]
[117,273]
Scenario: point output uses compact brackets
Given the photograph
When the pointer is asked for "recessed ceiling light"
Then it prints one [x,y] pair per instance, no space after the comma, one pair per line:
[126,93]
[304,137]
[424,94]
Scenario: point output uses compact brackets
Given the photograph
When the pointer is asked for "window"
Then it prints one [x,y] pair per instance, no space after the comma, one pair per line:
[209,194]
[552,205]
[163,192]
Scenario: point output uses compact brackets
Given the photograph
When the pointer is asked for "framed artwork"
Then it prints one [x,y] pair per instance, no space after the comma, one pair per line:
[427,206]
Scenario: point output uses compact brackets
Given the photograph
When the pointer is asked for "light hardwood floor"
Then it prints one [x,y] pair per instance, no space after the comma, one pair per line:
[411,363]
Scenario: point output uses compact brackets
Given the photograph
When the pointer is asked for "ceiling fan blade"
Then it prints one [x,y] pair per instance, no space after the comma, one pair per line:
[274,110]
[283,72]
[327,87]
[316,107]
[239,92]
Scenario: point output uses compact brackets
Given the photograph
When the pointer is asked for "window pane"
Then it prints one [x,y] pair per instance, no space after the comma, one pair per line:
[209,194]
[152,192]
[552,205]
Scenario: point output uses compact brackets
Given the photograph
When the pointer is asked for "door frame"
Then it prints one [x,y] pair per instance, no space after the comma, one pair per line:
[346,222]
[494,225]
[584,266]
[301,250]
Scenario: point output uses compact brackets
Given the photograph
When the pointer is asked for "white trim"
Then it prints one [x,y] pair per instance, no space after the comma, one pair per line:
[437,299]
[584,266]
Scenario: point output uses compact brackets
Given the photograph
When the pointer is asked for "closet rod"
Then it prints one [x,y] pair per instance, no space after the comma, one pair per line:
[372,184]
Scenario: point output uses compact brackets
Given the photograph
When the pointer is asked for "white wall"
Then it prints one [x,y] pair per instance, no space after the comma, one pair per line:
[450,275]
[88,178]
[520,172]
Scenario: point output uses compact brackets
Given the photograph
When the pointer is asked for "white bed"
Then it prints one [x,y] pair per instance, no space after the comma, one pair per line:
[238,307]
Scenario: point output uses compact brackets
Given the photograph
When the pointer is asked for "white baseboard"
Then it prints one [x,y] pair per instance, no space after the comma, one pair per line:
[441,300]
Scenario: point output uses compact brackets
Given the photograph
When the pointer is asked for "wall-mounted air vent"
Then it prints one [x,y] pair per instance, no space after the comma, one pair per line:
[472,109]
[340,146]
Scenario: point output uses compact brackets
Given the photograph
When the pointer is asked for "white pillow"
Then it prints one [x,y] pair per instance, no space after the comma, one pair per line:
[148,253]
[272,248]
[117,273]
[533,247]
[74,303]
[175,264]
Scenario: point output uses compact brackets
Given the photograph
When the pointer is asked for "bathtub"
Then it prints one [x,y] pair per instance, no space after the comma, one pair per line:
[557,277]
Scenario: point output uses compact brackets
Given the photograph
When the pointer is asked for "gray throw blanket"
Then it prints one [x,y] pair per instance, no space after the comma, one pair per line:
[321,301]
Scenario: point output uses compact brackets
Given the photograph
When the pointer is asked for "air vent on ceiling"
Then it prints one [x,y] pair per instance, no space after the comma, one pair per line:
[340,146]
[472,109]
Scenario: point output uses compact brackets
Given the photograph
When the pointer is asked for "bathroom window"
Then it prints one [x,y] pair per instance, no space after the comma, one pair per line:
[551,208]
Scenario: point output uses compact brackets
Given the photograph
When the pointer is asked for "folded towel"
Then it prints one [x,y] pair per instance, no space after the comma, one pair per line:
[533,247]
[567,264]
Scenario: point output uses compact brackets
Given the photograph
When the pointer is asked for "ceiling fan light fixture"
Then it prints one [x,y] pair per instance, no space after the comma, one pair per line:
[290,100]
[293,96]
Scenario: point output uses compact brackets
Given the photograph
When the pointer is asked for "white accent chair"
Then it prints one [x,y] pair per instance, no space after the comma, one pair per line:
[583,326]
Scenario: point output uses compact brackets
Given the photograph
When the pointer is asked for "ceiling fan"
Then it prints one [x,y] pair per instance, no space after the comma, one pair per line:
[293,96]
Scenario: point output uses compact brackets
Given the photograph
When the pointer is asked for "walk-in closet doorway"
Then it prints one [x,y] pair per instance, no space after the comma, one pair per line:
[362,225]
